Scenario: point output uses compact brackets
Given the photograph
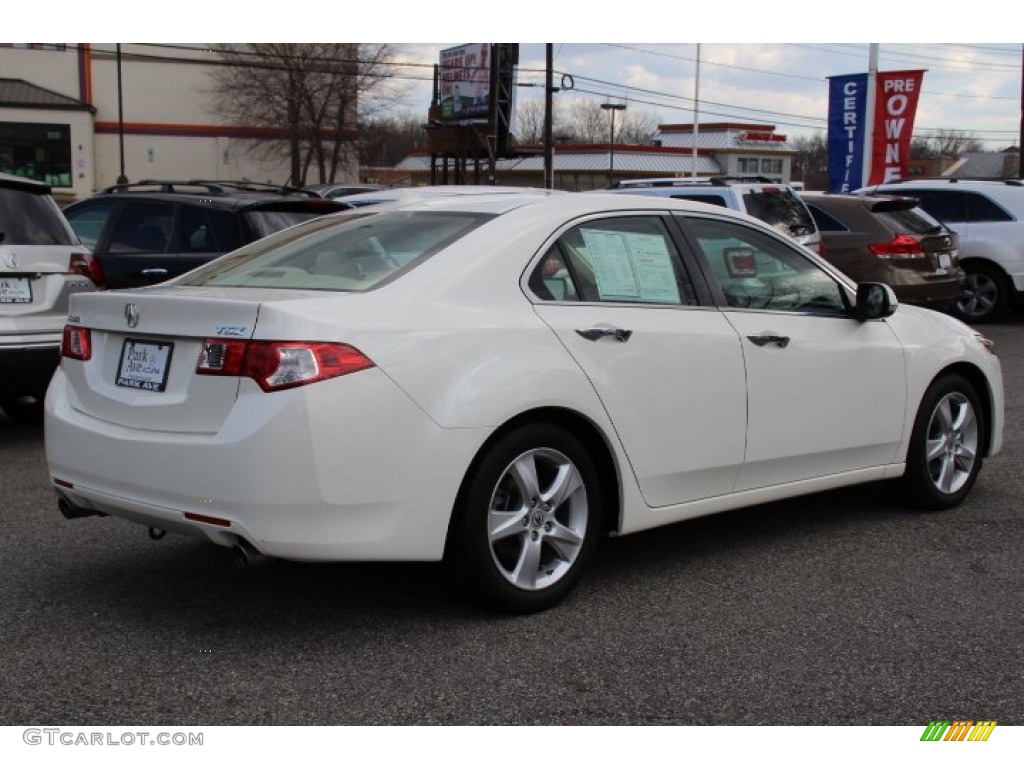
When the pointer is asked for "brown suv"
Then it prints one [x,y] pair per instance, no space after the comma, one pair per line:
[886,239]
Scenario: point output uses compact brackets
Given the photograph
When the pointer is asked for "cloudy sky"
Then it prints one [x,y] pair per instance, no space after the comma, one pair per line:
[969,87]
[760,61]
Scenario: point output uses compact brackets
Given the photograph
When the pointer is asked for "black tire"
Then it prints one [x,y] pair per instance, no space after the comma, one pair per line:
[23,408]
[947,445]
[527,520]
[986,294]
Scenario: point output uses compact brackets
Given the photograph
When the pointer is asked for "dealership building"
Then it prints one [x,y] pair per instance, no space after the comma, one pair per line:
[70,112]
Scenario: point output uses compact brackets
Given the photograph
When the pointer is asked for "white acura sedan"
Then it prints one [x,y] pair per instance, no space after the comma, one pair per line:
[500,379]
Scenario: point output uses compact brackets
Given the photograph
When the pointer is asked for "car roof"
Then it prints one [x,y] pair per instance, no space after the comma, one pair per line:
[410,194]
[220,194]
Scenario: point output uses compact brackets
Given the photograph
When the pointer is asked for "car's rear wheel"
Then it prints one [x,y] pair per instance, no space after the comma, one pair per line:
[947,445]
[986,294]
[528,520]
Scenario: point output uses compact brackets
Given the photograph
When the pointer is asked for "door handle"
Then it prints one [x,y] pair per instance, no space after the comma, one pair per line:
[599,332]
[765,339]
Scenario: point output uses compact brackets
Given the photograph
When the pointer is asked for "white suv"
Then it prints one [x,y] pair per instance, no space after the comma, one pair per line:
[42,263]
[773,202]
[988,216]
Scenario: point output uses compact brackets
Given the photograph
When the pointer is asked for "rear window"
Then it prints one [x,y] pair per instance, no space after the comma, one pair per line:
[915,221]
[350,252]
[780,208]
[30,219]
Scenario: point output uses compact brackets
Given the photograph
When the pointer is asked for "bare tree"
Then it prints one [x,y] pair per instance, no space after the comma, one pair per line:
[810,162]
[945,143]
[305,96]
[589,124]
[385,141]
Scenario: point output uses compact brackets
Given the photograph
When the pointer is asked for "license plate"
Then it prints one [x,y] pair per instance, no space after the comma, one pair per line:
[944,260]
[144,365]
[15,290]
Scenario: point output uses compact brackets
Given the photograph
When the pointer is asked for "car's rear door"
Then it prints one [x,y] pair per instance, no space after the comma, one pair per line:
[668,371]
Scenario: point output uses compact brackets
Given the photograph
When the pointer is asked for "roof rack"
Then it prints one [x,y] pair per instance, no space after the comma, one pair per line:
[207,187]
[955,179]
[684,181]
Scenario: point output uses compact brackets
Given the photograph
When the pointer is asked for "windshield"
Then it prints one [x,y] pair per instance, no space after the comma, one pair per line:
[348,252]
[781,208]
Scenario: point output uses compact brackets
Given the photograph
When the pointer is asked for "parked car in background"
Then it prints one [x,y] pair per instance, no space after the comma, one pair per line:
[150,231]
[333,191]
[988,217]
[891,240]
[41,265]
[498,379]
[776,203]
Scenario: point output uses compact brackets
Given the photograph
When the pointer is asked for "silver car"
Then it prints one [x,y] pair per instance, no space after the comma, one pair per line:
[42,263]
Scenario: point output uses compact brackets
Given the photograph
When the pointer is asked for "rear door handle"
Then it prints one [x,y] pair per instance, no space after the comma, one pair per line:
[599,332]
[765,339]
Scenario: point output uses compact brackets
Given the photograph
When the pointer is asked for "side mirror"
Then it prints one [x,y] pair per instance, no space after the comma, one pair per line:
[874,301]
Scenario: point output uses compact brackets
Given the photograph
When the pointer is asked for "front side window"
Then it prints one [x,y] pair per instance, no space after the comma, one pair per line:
[758,271]
[623,260]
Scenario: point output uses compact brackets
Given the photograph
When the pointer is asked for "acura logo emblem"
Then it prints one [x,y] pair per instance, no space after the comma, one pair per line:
[10,261]
[131,314]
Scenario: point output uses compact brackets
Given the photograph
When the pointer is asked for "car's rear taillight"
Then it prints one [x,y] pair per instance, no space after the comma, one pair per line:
[76,343]
[900,247]
[276,365]
[88,265]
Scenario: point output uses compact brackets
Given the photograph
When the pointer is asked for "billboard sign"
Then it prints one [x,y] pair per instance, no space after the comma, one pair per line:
[465,82]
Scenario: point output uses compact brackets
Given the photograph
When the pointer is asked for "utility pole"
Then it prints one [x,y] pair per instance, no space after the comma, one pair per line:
[696,112]
[549,90]
[121,179]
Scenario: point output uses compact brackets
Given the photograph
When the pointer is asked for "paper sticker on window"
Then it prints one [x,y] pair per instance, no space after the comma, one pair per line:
[740,262]
[631,266]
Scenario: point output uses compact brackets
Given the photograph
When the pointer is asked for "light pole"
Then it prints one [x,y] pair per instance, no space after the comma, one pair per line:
[611,147]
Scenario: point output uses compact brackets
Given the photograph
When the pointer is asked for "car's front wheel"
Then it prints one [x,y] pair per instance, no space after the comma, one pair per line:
[528,519]
[986,294]
[946,446]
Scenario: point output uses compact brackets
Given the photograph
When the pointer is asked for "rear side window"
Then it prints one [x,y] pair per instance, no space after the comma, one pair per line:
[980,208]
[780,208]
[142,227]
[30,219]
[350,253]
[944,206]
[628,260]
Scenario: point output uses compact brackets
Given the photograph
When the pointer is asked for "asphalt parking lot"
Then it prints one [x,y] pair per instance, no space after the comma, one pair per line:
[841,608]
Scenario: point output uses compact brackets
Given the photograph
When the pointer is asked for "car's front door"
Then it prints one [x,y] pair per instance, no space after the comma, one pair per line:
[668,372]
[825,392]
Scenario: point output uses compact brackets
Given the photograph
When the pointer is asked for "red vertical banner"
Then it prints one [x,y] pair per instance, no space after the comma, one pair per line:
[896,96]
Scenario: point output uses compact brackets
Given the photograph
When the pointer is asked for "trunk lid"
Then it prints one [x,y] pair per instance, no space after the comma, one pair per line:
[145,346]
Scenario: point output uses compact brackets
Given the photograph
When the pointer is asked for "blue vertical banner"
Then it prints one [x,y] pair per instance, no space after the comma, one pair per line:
[847,131]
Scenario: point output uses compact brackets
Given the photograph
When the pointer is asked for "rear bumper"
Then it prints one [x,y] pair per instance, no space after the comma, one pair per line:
[297,474]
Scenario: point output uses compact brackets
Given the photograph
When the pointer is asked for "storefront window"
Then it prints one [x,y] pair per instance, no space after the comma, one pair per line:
[37,151]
